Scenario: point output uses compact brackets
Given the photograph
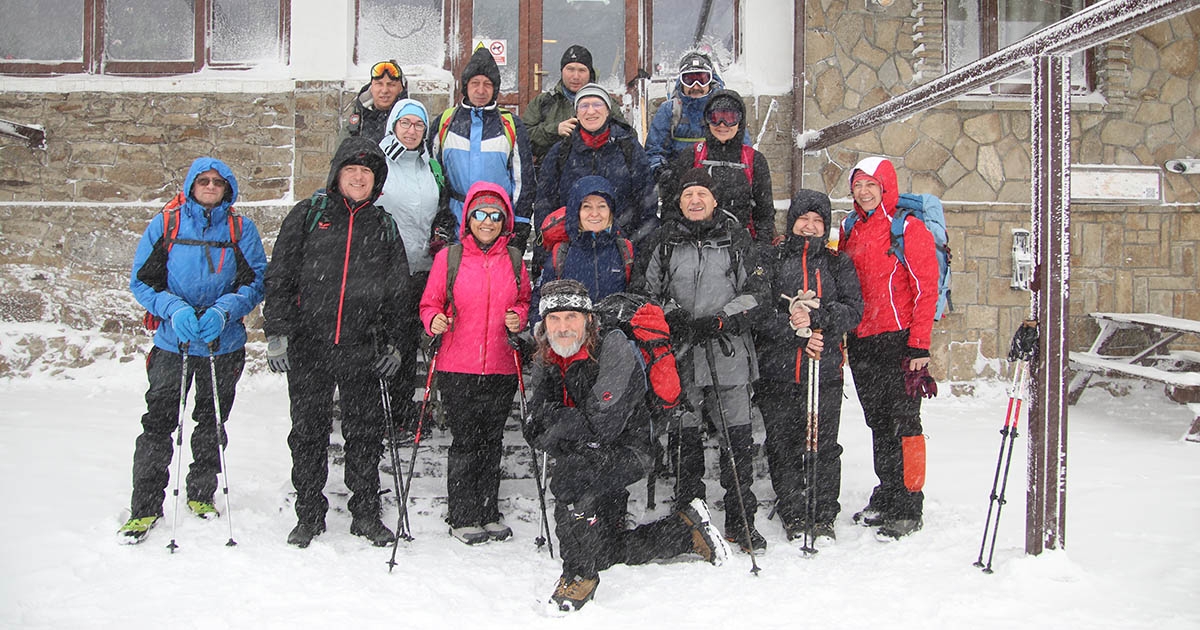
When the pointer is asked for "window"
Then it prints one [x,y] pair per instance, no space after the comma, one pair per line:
[683,25]
[978,28]
[409,31]
[152,37]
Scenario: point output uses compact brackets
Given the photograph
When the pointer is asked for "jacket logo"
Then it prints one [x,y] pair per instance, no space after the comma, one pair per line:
[324,224]
[606,396]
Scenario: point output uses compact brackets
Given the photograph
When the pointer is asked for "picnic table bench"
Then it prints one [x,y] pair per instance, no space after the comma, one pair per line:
[1178,371]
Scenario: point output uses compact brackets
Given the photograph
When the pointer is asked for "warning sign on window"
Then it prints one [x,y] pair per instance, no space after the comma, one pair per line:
[498,48]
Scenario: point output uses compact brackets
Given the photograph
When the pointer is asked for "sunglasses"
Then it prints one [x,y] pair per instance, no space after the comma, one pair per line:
[204,182]
[386,67]
[480,215]
[724,117]
[695,79]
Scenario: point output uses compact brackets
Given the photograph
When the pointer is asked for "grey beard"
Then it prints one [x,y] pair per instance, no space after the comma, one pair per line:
[566,351]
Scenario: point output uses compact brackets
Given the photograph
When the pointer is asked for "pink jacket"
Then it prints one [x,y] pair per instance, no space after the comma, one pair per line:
[484,290]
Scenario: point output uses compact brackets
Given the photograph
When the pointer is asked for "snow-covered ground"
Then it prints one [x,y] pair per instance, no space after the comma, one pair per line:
[1132,558]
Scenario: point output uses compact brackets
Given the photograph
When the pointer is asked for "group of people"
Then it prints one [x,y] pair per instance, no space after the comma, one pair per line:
[423,230]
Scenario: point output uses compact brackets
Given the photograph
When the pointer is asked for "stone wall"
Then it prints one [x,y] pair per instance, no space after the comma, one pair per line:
[974,153]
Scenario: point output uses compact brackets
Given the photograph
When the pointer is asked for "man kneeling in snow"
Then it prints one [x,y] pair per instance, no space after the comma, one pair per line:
[589,412]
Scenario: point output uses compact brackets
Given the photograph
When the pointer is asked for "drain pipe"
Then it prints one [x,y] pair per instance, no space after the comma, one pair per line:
[799,79]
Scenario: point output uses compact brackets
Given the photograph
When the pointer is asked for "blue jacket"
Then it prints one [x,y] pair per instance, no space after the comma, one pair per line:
[477,149]
[632,185]
[593,258]
[199,276]
[663,142]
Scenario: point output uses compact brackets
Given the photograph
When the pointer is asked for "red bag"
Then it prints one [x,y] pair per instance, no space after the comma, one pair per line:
[554,229]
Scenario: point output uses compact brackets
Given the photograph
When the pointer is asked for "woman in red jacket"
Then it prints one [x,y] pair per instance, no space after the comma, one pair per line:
[477,374]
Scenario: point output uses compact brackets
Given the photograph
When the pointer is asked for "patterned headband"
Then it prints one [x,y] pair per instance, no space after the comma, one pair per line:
[564,302]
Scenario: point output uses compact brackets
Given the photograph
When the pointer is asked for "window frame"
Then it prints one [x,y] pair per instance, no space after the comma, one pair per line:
[94,63]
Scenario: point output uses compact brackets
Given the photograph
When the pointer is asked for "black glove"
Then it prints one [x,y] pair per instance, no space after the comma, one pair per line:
[520,235]
[388,362]
[277,357]
[663,176]
[705,328]
[680,323]
[532,429]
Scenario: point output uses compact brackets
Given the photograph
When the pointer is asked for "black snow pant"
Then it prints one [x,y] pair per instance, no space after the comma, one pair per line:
[784,408]
[401,385]
[589,513]
[690,451]
[153,451]
[477,406]
[316,368]
[891,414]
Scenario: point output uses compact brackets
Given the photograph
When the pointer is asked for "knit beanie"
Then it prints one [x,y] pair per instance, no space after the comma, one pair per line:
[695,62]
[564,295]
[411,107]
[695,177]
[578,54]
[486,200]
[593,89]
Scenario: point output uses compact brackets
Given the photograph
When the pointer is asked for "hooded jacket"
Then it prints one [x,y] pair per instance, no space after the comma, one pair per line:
[751,203]
[338,269]
[895,297]
[632,185]
[476,147]
[664,141]
[593,258]
[411,193]
[484,290]
[801,264]
[199,276]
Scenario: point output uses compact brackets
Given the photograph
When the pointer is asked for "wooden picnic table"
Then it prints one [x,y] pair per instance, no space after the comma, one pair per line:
[1178,371]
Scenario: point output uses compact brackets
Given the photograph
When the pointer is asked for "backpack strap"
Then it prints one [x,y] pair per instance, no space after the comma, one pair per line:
[558,258]
[748,162]
[676,114]
[625,246]
[454,254]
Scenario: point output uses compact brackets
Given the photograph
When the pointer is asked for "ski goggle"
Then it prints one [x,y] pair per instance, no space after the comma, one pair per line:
[724,117]
[480,215]
[386,67]
[695,79]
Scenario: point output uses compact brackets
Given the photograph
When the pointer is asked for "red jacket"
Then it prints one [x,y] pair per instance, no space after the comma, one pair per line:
[895,297]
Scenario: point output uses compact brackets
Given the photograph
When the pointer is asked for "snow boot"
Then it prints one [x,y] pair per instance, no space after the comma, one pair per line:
[302,534]
[823,530]
[497,530]
[572,592]
[470,534]
[203,509]
[869,516]
[737,534]
[706,540]
[135,529]
[372,529]
[897,529]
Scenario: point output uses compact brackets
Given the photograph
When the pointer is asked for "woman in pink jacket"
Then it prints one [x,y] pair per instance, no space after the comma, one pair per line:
[478,292]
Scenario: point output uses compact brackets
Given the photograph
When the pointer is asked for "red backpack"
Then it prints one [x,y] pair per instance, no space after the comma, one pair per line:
[643,322]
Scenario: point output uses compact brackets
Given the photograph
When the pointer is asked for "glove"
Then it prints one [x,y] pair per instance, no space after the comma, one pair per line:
[277,358]
[186,326]
[704,328]
[909,201]
[918,383]
[680,323]
[520,235]
[388,363]
[532,430]
[440,237]
[663,176]
[806,300]
[212,322]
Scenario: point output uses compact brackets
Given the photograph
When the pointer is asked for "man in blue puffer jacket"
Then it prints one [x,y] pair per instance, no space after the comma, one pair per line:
[198,271]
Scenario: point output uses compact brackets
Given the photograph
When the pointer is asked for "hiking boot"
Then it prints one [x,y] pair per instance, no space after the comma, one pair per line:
[203,509]
[738,535]
[869,516]
[706,540]
[373,530]
[571,593]
[470,534]
[497,530]
[135,529]
[302,534]
[897,529]
[794,530]
[823,530]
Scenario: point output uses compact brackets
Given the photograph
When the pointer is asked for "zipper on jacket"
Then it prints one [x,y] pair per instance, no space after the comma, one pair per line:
[337,331]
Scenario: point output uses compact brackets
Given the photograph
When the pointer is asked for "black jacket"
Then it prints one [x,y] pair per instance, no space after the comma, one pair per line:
[338,268]
[797,264]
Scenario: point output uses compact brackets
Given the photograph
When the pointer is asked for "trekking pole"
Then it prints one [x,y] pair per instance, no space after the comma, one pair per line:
[412,461]
[737,483]
[538,479]
[811,444]
[1023,351]
[220,422]
[183,392]
[402,523]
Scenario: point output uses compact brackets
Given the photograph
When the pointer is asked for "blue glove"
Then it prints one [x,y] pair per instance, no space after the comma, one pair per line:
[910,201]
[186,326]
[211,324]
[277,358]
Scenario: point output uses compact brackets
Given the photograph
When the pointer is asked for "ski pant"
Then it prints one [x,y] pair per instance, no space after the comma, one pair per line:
[891,414]
[316,368]
[476,407]
[153,450]
[589,513]
[784,409]
[410,330]
[727,406]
